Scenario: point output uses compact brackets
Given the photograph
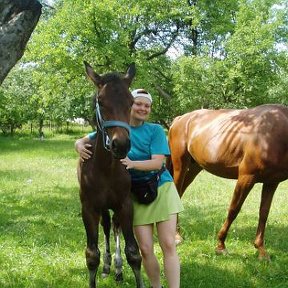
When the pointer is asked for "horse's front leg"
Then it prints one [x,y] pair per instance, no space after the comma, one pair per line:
[188,172]
[134,259]
[91,223]
[106,223]
[242,189]
[118,261]
[268,191]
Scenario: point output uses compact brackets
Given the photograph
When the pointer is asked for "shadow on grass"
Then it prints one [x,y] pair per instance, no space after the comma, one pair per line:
[206,275]
[15,175]
[55,146]
[50,223]
[43,218]
[198,224]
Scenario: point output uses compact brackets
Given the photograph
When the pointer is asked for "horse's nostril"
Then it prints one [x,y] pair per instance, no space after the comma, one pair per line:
[120,148]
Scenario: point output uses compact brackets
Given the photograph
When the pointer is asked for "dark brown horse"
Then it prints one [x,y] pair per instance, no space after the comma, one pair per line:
[104,181]
[249,145]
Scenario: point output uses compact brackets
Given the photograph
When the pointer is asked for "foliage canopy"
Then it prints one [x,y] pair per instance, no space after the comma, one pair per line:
[188,54]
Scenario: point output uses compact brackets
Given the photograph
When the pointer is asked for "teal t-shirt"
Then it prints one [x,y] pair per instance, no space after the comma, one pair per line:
[146,140]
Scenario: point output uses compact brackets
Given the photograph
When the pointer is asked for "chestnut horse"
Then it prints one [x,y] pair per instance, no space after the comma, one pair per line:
[250,145]
[104,181]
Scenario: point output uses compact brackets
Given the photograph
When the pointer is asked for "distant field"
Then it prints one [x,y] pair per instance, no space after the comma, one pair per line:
[42,238]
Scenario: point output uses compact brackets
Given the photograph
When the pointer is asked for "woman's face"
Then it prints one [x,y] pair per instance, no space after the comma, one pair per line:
[141,108]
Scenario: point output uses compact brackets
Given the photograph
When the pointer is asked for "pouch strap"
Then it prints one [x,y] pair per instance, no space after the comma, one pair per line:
[163,168]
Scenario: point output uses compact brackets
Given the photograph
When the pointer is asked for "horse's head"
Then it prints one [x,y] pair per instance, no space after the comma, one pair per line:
[113,105]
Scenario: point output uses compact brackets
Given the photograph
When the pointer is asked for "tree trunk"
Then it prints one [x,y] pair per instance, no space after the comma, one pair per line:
[18,18]
[41,125]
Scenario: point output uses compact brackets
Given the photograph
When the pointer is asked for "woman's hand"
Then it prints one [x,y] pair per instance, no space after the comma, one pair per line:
[83,148]
[127,162]
[144,165]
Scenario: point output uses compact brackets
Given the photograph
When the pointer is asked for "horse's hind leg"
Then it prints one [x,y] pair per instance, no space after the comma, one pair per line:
[268,191]
[118,261]
[193,170]
[106,223]
[180,168]
[92,252]
[134,259]
[242,189]
[190,170]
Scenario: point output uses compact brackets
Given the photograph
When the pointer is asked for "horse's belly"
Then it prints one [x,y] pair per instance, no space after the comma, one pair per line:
[216,160]
[272,174]
[224,171]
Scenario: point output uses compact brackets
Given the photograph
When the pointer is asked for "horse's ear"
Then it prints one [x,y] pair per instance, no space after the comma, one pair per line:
[96,79]
[130,74]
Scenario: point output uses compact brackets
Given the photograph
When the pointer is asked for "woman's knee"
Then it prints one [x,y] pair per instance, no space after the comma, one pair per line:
[146,249]
[168,246]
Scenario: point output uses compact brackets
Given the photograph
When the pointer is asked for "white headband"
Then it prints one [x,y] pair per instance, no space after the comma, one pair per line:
[141,93]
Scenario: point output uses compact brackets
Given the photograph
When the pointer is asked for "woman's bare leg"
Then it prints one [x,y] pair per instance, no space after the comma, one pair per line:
[166,235]
[144,235]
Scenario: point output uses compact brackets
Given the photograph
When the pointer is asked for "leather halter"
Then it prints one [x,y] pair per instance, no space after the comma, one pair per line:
[103,125]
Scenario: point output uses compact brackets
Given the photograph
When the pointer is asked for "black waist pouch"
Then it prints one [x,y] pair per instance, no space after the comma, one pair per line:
[146,192]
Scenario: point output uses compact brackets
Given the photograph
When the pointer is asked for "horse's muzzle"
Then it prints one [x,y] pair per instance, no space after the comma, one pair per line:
[120,148]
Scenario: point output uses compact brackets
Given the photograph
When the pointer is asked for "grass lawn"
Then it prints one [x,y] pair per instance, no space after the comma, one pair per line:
[42,238]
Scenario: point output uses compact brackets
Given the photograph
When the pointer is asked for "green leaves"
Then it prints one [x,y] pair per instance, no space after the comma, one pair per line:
[246,64]
[229,53]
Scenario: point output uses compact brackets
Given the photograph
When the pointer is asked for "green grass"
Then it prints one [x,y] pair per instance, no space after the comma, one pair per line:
[42,238]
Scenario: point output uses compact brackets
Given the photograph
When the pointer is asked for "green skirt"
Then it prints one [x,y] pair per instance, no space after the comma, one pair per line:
[167,203]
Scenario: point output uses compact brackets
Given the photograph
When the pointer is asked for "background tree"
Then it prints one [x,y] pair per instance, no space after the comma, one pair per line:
[188,54]
[110,35]
[18,19]
[245,69]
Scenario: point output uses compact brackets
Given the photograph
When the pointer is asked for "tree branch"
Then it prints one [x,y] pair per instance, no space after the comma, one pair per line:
[168,45]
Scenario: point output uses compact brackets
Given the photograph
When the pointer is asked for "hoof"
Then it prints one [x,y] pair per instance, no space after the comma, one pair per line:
[119,277]
[221,251]
[178,239]
[104,275]
[264,258]
[262,254]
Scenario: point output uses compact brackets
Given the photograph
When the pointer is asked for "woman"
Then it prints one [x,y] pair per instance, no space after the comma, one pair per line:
[146,156]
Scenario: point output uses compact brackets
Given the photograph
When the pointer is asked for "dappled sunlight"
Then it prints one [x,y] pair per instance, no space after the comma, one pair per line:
[41,229]
[200,222]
